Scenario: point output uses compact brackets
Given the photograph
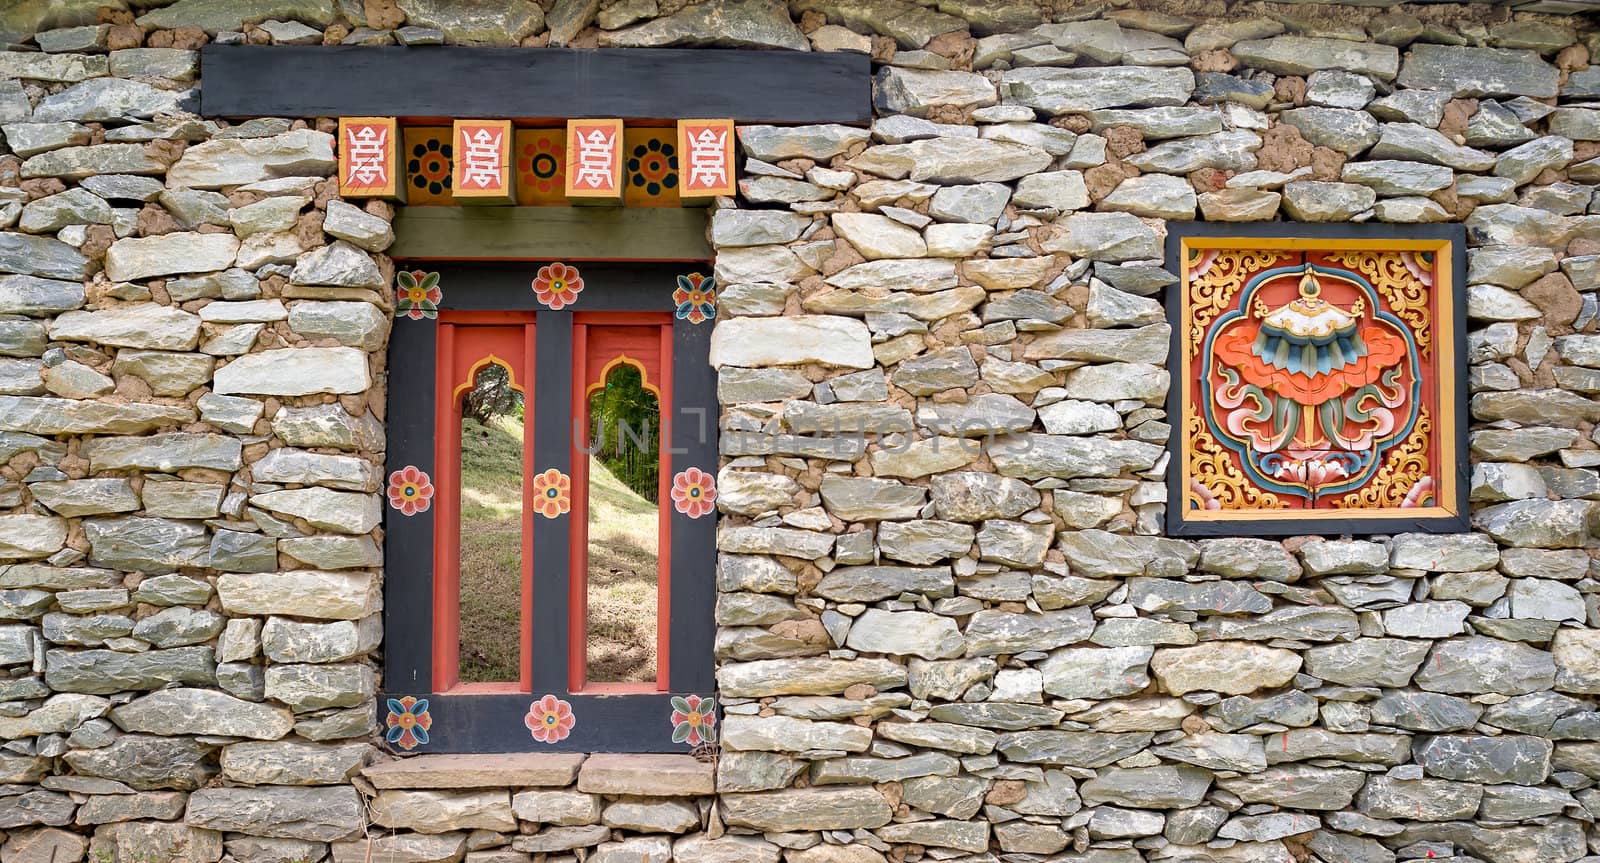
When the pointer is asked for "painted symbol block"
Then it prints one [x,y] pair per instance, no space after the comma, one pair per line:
[368,157]
[482,172]
[706,157]
[594,161]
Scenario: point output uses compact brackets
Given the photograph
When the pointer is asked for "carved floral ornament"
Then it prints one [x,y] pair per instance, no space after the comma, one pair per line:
[1317,384]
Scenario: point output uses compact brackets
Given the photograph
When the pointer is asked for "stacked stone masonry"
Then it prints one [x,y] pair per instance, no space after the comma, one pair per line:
[927,649]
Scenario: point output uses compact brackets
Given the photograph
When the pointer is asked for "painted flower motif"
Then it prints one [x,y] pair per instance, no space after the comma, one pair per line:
[1236,348]
[410,490]
[1312,471]
[653,166]
[417,294]
[552,493]
[539,164]
[408,722]
[694,719]
[550,719]
[1420,494]
[429,166]
[696,298]
[693,492]
[1203,498]
[557,285]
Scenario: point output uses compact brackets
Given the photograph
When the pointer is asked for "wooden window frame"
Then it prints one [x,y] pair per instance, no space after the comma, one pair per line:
[420,644]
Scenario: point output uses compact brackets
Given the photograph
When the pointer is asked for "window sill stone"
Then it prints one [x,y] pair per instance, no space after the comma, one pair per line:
[506,770]
[647,775]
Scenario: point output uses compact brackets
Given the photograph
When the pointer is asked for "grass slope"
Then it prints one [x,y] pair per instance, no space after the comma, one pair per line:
[622,564]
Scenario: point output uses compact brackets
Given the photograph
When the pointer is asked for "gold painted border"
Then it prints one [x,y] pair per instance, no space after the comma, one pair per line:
[1445,324]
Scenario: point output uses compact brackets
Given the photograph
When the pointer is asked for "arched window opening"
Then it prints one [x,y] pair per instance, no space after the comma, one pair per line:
[624,542]
[491,545]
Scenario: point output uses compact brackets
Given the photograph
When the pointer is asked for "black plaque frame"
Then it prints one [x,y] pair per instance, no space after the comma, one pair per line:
[1453,356]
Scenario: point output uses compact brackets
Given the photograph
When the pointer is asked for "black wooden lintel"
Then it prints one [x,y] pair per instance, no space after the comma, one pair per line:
[749,86]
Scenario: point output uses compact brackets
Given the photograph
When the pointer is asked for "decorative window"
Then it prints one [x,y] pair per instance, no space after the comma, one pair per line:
[1320,381]
[550,542]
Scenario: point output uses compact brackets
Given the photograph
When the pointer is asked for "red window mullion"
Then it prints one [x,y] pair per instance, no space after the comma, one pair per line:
[446,519]
[664,518]
[529,358]
[578,555]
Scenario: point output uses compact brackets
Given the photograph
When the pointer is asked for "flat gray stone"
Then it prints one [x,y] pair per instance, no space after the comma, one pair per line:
[28,139]
[31,295]
[200,711]
[238,161]
[141,325]
[1476,664]
[1300,55]
[1059,90]
[1231,150]
[914,92]
[1478,72]
[167,453]
[1345,130]
[102,672]
[1510,758]
[1367,661]
[1310,201]
[41,256]
[1409,141]
[321,814]
[295,372]
[817,142]
[106,99]
[738,24]
[77,163]
[951,160]
[808,809]
[1147,787]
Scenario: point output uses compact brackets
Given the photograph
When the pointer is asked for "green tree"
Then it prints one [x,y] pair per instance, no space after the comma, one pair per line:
[625,430]
[492,395]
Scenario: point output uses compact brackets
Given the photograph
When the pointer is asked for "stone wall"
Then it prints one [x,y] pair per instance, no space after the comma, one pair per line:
[922,653]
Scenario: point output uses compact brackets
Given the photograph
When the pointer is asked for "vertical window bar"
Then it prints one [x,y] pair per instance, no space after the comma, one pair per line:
[552,382]
[694,558]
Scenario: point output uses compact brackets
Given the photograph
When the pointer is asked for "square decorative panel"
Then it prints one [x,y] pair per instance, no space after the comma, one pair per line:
[540,163]
[1319,381]
[650,167]
[427,159]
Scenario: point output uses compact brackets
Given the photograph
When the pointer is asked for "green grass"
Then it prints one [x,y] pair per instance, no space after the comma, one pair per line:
[491,549]
[623,551]
[622,564]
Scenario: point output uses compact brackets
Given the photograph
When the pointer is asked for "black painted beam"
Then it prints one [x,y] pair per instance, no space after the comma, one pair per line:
[630,83]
